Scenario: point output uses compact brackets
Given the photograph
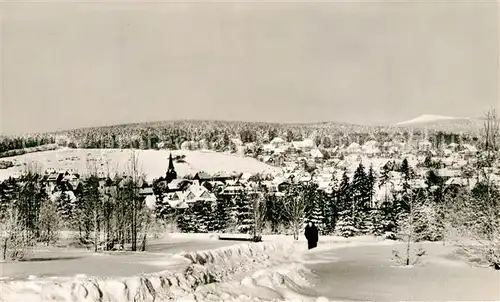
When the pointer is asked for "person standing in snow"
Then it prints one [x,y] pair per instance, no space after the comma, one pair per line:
[311,234]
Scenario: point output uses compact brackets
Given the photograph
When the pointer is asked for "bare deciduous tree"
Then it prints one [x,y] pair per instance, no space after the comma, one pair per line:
[259,215]
[17,239]
[50,222]
[491,134]
[295,208]
[410,256]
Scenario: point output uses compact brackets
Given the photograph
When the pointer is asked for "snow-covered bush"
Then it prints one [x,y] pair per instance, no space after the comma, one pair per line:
[428,225]
[408,255]
[375,223]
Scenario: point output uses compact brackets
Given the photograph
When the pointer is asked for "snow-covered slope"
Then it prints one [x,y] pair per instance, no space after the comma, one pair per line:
[434,122]
[153,163]
[189,272]
[428,118]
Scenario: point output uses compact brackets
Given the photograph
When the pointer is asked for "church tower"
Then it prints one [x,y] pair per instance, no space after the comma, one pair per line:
[171,174]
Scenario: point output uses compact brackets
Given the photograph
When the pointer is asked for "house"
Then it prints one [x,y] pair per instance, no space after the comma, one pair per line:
[223,176]
[456,181]
[468,150]
[278,142]
[194,193]
[453,146]
[233,190]
[146,191]
[268,148]
[447,173]
[316,154]
[305,145]
[353,148]
[202,176]
[178,185]
[66,195]
[197,193]
[424,146]
[176,200]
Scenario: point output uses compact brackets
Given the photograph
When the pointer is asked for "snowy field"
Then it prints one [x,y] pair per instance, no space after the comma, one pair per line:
[198,267]
[368,273]
[153,163]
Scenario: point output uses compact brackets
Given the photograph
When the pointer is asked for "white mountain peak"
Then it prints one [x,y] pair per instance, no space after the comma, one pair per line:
[426,118]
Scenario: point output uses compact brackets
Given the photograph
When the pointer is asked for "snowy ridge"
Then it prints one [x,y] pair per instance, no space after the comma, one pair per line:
[428,118]
[192,271]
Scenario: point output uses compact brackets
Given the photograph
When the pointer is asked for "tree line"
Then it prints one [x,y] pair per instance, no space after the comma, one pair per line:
[218,135]
[104,214]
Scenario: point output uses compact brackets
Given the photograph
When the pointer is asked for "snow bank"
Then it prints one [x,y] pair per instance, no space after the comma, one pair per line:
[189,272]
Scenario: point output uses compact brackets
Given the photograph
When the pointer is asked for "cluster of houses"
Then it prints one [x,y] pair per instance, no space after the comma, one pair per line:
[303,161]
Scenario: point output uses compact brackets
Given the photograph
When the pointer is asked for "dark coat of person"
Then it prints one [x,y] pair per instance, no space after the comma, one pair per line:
[312,236]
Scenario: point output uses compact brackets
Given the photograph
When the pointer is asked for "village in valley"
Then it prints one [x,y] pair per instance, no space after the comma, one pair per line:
[249,151]
[365,175]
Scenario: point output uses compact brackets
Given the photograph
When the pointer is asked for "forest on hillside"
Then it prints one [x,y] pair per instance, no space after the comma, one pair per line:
[221,135]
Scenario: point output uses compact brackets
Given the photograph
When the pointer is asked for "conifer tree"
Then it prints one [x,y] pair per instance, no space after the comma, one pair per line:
[376,225]
[371,183]
[385,179]
[186,220]
[202,211]
[360,196]
[327,211]
[344,193]
[317,214]
[66,206]
[345,225]
[243,212]
[274,211]
[331,207]
[222,213]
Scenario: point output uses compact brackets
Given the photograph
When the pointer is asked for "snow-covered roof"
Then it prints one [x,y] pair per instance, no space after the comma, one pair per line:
[68,194]
[237,142]
[424,143]
[372,143]
[277,140]
[194,193]
[370,149]
[315,153]
[447,172]
[469,148]
[307,143]
[150,201]
[279,151]
[353,147]
[456,181]
[268,147]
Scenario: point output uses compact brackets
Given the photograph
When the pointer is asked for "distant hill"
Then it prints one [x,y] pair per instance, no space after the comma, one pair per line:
[224,135]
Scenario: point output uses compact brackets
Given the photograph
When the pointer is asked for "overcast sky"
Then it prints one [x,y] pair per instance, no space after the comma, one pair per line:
[67,65]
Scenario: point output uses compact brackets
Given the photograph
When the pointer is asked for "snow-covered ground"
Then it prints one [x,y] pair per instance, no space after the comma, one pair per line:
[180,274]
[179,266]
[198,267]
[369,273]
[153,163]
